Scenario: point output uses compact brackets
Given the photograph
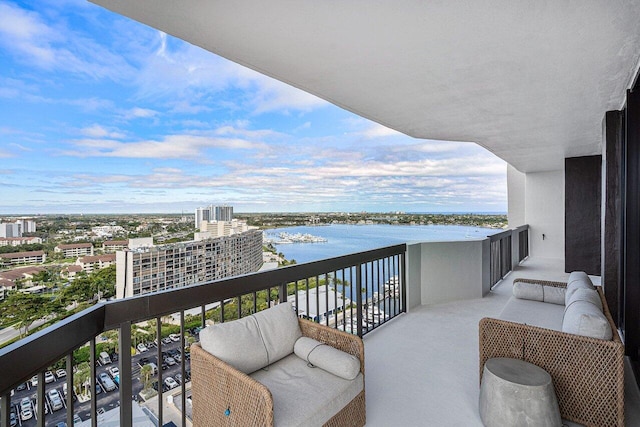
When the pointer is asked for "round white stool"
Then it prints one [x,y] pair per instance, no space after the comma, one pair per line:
[517,393]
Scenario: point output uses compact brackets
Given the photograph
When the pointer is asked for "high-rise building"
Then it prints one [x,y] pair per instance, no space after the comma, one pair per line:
[10,229]
[213,213]
[151,269]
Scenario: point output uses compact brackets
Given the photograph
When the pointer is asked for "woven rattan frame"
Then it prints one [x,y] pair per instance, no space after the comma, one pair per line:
[216,387]
[587,373]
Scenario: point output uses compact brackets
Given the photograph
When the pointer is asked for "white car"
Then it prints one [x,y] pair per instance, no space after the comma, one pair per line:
[114,371]
[48,377]
[54,399]
[174,337]
[34,381]
[170,383]
[61,373]
[142,348]
[26,410]
[170,361]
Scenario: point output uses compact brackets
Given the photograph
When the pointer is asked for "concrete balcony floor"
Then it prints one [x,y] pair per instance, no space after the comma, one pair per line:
[422,368]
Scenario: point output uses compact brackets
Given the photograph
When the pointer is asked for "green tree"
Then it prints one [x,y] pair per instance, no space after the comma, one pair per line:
[23,309]
[81,377]
[145,376]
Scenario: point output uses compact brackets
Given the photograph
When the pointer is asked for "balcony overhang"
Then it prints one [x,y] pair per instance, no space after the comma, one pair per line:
[530,81]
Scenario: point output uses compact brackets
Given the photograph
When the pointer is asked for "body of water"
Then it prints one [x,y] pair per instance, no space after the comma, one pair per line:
[346,239]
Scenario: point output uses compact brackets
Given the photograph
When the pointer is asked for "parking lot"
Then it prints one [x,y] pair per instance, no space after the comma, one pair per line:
[56,413]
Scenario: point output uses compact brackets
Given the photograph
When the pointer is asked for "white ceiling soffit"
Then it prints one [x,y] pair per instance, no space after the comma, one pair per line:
[528,80]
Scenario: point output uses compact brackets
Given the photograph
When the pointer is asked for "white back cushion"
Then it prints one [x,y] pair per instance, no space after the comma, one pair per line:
[280,330]
[237,343]
[577,280]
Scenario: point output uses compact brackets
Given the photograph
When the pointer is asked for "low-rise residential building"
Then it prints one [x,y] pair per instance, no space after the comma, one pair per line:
[96,262]
[17,241]
[71,271]
[114,245]
[9,278]
[31,257]
[74,250]
[151,269]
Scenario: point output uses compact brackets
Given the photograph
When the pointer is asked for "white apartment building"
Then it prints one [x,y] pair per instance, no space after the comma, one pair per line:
[17,241]
[211,229]
[10,229]
[115,245]
[151,269]
[93,263]
[213,213]
[74,250]
[31,257]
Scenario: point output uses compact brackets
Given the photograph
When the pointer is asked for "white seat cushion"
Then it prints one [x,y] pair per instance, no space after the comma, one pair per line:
[533,313]
[304,396]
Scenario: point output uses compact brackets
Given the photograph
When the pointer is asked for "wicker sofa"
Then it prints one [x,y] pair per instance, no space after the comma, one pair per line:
[224,395]
[588,373]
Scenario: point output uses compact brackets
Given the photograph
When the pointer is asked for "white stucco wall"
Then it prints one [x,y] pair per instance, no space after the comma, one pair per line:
[516,191]
[447,271]
[544,212]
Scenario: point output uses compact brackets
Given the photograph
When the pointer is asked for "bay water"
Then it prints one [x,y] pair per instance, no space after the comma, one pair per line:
[345,239]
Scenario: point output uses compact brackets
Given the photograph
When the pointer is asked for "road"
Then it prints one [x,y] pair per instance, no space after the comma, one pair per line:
[106,400]
[10,332]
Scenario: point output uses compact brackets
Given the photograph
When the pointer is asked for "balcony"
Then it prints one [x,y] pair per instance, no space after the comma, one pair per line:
[418,310]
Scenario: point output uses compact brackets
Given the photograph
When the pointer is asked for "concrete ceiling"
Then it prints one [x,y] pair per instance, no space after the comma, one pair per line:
[528,80]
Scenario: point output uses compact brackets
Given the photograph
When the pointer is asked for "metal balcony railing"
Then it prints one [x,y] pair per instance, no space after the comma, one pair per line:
[501,261]
[356,293]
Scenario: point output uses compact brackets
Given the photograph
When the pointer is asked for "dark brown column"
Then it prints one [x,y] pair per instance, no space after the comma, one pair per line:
[582,214]
[612,216]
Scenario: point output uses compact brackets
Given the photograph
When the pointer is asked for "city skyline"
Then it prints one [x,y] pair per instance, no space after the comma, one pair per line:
[101,114]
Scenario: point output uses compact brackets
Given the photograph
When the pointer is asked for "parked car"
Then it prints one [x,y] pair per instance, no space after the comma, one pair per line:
[174,337]
[76,419]
[166,340]
[178,378]
[13,420]
[114,371]
[104,358]
[164,366]
[170,361]
[106,382]
[170,383]
[54,399]
[26,410]
[21,387]
[143,361]
[34,381]
[48,377]
[61,373]
[142,348]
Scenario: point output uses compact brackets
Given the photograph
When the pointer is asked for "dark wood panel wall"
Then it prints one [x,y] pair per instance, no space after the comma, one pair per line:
[582,215]
[612,170]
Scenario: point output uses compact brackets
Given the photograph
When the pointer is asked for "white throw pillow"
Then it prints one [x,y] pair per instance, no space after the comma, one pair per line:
[530,291]
[330,359]
[538,292]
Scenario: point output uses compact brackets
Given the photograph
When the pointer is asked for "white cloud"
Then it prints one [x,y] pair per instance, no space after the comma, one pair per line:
[170,147]
[379,131]
[97,131]
[54,46]
[137,113]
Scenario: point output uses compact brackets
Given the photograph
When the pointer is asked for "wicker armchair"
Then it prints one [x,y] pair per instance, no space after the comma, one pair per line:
[587,373]
[216,383]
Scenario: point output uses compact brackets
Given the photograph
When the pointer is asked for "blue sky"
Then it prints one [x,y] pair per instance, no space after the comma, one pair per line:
[101,114]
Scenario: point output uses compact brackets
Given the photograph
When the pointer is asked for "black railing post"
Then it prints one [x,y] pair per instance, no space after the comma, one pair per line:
[69,383]
[359,307]
[94,396]
[282,292]
[40,400]
[125,373]
[403,282]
